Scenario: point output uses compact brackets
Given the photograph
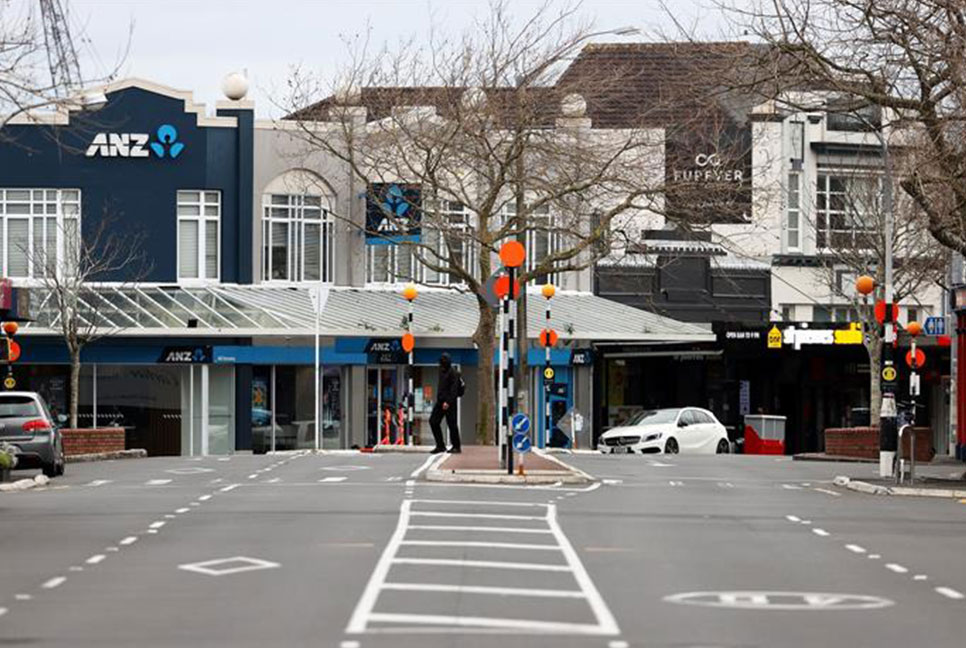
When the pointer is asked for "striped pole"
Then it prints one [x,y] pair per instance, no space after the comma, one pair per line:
[410,396]
[503,416]
[546,382]
[511,398]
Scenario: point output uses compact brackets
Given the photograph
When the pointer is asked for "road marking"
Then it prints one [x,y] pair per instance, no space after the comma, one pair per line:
[332,480]
[194,504]
[128,540]
[821,532]
[243,564]
[229,488]
[424,466]
[806,521]
[100,482]
[54,582]
[949,592]
[899,569]
[347,468]
[793,518]
[486,564]
[216,481]
[75,568]
[855,548]
[791,487]
[617,644]
[772,600]
[828,492]
[659,464]
[613,482]
[191,470]
[223,459]
[444,527]
[676,483]
[273,480]
[157,482]
[204,498]
[183,509]
[480,503]
[112,549]
[394,479]
[22,597]
[920,577]
[486,622]
[725,485]
[485,545]
[3,611]
[475,589]
[487,516]
[874,556]
[349,644]
[93,560]
[253,476]
[170,516]
[157,525]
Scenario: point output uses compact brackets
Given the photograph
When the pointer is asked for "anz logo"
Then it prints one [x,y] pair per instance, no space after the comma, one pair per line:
[137,145]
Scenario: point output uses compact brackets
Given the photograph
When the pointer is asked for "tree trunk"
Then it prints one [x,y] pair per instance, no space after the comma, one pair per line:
[485,339]
[75,365]
[874,347]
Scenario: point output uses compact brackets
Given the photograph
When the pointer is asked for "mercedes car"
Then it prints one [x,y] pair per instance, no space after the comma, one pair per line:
[688,430]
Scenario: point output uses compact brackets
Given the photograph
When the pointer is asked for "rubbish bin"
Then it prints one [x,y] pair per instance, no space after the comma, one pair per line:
[860,417]
[764,434]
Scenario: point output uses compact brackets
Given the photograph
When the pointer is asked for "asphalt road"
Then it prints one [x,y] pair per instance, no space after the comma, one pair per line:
[353,551]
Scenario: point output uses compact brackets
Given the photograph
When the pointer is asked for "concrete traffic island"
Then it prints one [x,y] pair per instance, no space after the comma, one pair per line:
[922,487]
[480,465]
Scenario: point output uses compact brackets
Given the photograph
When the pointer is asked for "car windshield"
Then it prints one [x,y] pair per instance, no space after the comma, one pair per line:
[654,417]
[18,407]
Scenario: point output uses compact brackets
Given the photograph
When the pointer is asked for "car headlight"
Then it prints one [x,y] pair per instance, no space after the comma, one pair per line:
[653,437]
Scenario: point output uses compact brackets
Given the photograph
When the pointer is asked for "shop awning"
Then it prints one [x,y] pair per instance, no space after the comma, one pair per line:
[259,311]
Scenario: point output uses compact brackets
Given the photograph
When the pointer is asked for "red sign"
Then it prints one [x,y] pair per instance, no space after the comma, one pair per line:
[880,311]
[548,338]
[502,287]
[920,359]
[14,351]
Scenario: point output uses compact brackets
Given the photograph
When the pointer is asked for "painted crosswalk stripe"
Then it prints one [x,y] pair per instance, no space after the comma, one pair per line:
[485,564]
[485,545]
[477,589]
[484,529]
[486,516]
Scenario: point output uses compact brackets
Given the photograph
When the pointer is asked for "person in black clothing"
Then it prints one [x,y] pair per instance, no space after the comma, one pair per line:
[447,396]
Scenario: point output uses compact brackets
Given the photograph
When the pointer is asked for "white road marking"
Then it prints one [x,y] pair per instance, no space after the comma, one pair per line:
[659,464]
[223,459]
[726,485]
[183,509]
[828,492]
[806,521]
[93,560]
[229,488]
[348,468]
[152,531]
[874,556]
[485,545]
[204,498]
[855,548]
[676,483]
[613,482]
[949,592]
[3,611]
[23,597]
[899,569]
[253,476]
[486,564]
[480,503]
[194,504]
[617,644]
[349,644]
[486,622]
[128,540]
[425,465]
[821,532]
[157,525]
[332,480]
[394,479]
[273,480]
[54,582]
[191,470]
[112,549]
[793,518]
[210,567]
[920,577]
[170,516]
[474,589]
[444,527]
[100,482]
[791,487]
[75,568]
[216,481]
[488,516]
[157,482]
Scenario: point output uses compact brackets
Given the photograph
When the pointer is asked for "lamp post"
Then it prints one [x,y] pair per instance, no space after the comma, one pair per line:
[409,343]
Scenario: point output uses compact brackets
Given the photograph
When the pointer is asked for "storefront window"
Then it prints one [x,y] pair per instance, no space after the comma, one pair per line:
[284,397]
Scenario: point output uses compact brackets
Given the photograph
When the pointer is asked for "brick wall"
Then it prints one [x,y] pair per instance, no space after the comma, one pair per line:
[864,442]
[88,441]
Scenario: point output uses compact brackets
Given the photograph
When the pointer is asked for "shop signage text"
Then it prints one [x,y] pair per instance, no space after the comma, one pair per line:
[581,357]
[386,351]
[186,355]
[796,337]
[707,168]
[137,145]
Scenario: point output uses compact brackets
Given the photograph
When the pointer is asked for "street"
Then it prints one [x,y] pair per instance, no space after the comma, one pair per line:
[355,550]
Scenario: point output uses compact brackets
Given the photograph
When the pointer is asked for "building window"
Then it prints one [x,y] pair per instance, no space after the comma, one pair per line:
[793,214]
[199,240]
[296,238]
[912,314]
[445,234]
[40,231]
[844,209]
[543,239]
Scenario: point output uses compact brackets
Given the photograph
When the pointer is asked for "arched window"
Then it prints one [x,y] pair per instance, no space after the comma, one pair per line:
[297,229]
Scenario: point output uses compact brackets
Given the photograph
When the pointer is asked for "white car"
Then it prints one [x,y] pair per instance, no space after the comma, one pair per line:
[687,429]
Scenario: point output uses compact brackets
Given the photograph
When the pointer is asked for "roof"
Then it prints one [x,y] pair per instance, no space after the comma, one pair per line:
[235,310]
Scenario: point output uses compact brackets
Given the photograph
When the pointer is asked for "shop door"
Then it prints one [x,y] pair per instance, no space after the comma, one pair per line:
[383,389]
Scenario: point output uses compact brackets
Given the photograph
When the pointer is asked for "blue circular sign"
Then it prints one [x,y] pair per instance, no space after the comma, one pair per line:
[520,423]
[521,443]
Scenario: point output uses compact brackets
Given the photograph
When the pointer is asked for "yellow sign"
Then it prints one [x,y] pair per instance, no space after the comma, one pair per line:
[774,338]
[9,382]
[548,373]
[851,335]
[889,374]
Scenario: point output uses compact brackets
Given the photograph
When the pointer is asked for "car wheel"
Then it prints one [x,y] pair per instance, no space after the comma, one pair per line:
[723,447]
[50,469]
[671,447]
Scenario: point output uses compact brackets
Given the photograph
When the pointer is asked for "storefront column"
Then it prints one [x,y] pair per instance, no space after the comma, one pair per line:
[204,410]
[356,423]
[243,407]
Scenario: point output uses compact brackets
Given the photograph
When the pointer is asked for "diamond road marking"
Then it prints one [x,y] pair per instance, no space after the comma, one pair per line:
[227,566]
[192,470]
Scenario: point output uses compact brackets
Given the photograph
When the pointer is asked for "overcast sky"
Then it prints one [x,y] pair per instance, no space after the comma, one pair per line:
[192,44]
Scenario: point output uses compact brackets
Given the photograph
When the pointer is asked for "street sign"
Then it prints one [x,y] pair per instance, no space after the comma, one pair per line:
[548,374]
[889,374]
[520,423]
[920,359]
[9,382]
[521,443]
[935,326]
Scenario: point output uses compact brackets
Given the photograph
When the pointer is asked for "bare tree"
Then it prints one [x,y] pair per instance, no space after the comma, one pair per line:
[69,292]
[905,59]
[850,234]
[497,150]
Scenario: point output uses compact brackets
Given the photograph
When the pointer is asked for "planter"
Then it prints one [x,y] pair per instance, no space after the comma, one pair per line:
[4,475]
[92,440]
[863,442]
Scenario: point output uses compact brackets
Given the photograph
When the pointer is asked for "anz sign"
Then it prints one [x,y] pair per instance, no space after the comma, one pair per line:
[137,145]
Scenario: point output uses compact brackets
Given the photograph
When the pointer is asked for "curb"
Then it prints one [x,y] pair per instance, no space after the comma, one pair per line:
[499,477]
[24,484]
[901,491]
[832,458]
[106,456]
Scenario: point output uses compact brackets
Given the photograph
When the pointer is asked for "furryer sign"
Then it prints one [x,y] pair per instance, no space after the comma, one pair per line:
[137,145]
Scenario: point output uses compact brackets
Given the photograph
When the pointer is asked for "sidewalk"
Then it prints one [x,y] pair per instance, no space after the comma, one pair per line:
[940,479]
[480,464]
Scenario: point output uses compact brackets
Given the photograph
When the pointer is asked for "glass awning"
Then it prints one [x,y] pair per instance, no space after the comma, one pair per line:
[226,308]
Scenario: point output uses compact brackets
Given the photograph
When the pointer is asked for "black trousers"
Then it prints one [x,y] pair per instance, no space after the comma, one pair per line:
[436,418]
